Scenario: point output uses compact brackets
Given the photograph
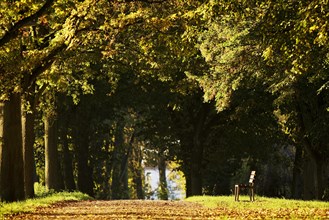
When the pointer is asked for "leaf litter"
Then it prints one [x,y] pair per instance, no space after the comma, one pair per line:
[148,209]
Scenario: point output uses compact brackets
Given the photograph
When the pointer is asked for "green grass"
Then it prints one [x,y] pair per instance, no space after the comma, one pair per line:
[43,198]
[263,207]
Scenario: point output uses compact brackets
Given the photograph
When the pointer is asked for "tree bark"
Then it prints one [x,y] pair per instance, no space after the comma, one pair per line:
[186,166]
[310,110]
[297,180]
[116,188]
[104,173]
[139,184]
[162,178]
[197,151]
[309,179]
[12,162]
[137,170]
[119,169]
[188,184]
[67,164]
[64,112]
[321,177]
[124,176]
[53,175]
[196,168]
[85,175]
[314,173]
[28,144]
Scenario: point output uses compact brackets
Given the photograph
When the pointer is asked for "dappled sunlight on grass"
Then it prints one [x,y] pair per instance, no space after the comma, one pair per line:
[43,198]
[264,207]
[199,207]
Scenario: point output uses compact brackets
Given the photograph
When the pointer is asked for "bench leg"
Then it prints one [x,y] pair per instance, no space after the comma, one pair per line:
[236,192]
[252,194]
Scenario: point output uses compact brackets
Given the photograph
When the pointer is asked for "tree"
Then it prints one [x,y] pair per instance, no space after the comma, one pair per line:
[162,60]
[28,134]
[303,83]
[136,168]
[30,44]
[64,118]
[53,174]
[12,169]
[282,45]
[14,83]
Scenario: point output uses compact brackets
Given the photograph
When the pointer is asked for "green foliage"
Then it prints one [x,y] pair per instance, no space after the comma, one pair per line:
[277,47]
[260,63]
[177,180]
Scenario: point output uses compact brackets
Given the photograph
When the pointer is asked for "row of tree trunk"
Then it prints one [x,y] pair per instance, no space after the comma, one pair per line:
[18,172]
[17,167]
[310,166]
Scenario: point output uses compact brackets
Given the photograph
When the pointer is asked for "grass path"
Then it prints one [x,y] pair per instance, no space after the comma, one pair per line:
[194,208]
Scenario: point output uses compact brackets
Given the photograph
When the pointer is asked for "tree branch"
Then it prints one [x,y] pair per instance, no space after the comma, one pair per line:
[39,69]
[13,31]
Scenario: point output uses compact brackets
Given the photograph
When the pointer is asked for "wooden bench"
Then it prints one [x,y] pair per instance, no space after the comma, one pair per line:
[249,186]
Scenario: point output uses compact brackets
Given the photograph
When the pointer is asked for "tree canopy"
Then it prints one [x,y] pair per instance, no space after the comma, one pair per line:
[219,87]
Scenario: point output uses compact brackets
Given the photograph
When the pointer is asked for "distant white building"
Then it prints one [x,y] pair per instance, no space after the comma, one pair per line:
[176,190]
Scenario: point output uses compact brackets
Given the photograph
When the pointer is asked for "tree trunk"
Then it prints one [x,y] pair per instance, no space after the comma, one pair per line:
[139,184]
[137,170]
[53,175]
[188,184]
[67,162]
[64,113]
[119,168]
[12,161]
[197,151]
[28,147]
[186,166]
[314,173]
[115,184]
[192,167]
[309,110]
[196,168]
[196,181]
[162,178]
[106,167]
[309,177]
[124,176]
[119,187]
[297,180]
[321,177]
[85,176]
[67,165]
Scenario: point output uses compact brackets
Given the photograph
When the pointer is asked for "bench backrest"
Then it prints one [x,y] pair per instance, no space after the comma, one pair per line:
[252,177]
